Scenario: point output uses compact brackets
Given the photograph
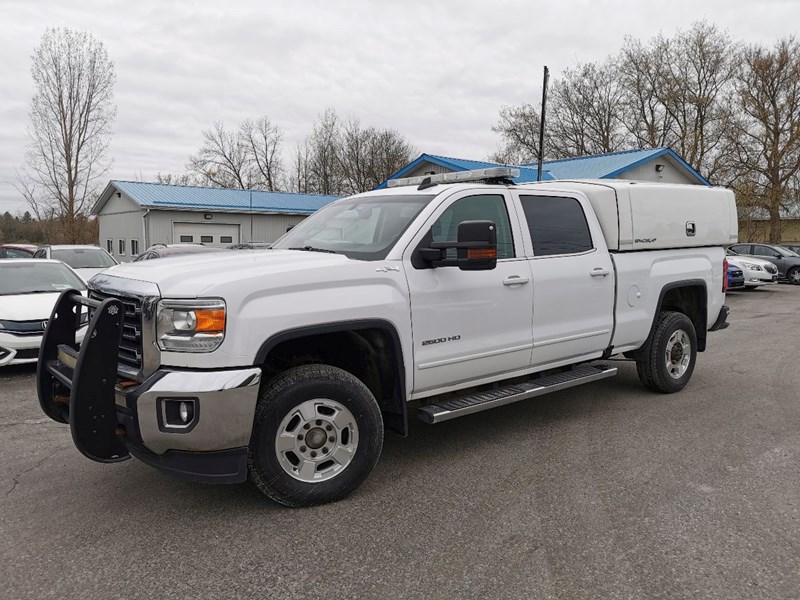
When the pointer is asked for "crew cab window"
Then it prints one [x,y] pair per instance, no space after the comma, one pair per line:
[476,208]
[557,225]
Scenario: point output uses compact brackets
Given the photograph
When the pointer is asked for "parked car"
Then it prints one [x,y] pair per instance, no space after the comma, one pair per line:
[28,291]
[788,262]
[757,272]
[87,261]
[165,250]
[17,251]
[735,277]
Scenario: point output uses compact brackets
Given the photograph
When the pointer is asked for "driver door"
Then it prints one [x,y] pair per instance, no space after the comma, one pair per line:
[469,325]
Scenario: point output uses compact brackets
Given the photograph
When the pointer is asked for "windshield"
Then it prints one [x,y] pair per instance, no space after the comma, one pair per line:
[84,258]
[364,228]
[786,251]
[36,278]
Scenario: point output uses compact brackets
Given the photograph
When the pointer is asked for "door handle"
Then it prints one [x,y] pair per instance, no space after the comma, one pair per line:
[515,280]
[599,272]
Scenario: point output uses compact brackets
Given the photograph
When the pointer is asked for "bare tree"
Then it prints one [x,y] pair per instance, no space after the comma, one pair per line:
[767,133]
[223,160]
[71,115]
[586,114]
[369,156]
[696,89]
[171,179]
[263,140]
[300,180]
[641,68]
[323,156]
[519,130]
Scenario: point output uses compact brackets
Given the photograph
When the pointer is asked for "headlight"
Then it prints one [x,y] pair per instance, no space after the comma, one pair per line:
[191,325]
[751,266]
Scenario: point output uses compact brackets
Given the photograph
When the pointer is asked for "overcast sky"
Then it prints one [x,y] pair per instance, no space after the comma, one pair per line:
[438,72]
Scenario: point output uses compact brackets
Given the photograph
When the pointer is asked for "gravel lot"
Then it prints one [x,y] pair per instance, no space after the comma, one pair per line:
[604,491]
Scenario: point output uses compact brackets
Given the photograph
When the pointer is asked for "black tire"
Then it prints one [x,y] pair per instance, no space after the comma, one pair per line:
[793,276]
[652,370]
[283,395]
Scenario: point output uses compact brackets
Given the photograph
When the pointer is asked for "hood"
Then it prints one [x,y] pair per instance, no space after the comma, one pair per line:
[190,275]
[27,307]
[88,273]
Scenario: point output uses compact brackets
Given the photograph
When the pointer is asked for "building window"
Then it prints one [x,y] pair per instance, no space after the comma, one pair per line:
[110,246]
[187,238]
[134,247]
[225,239]
[122,247]
[207,239]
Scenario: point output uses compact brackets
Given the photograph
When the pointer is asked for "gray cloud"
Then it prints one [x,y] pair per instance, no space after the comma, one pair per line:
[437,72]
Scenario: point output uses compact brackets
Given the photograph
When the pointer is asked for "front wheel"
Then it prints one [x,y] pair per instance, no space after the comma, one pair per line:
[793,276]
[670,360]
[317,435]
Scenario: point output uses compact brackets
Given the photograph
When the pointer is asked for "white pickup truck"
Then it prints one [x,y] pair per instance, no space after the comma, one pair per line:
[435,298]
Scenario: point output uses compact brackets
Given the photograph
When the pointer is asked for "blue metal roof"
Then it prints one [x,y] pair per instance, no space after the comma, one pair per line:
[462,164]
[597,166]
[157,195]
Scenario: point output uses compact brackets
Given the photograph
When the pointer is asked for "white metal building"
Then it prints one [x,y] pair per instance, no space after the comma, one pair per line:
[135,215]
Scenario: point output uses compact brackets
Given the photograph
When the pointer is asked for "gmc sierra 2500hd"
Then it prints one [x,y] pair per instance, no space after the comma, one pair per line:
[435,298]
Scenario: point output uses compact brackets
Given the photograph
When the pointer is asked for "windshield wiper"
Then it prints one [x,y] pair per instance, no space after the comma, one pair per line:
[312,249]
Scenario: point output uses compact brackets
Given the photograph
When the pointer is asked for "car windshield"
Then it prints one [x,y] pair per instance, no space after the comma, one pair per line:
[786,251]
[84,258]
[364,228]
[36,278]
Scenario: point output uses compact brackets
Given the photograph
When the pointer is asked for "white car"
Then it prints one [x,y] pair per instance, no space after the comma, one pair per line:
[756,271]
[87,261]
[29,289]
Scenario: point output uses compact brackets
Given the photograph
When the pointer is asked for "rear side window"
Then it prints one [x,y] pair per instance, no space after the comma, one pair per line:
[557,225]
[476,208]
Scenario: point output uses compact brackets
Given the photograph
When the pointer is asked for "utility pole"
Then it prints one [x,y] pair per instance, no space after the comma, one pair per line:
[541,124]
[251,216]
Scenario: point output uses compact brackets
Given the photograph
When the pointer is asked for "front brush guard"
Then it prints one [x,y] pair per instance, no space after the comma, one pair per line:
[76,384]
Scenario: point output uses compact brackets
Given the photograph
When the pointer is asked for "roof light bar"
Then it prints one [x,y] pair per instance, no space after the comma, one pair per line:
[458,176]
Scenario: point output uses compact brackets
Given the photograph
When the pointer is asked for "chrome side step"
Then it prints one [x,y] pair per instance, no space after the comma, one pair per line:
[466,405]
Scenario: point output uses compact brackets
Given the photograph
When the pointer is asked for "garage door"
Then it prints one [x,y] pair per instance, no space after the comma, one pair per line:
[210,234]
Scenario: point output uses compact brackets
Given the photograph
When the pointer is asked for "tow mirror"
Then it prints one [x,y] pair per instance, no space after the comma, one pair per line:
[475,249]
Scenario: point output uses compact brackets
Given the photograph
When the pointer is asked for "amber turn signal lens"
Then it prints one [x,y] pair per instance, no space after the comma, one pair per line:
[478,253]
[210,320]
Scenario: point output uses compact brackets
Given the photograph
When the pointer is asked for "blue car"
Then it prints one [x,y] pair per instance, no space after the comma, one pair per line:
[735,278]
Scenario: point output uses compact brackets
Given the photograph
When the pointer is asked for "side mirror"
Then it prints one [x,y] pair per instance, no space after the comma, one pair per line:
[475,249]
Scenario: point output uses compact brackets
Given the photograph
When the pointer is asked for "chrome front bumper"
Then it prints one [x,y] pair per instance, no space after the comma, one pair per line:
[225,404]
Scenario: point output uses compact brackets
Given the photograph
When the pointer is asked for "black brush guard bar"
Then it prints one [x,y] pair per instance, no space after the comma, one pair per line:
[76,385]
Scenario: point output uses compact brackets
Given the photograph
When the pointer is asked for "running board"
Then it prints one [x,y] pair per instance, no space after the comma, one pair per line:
[466,405]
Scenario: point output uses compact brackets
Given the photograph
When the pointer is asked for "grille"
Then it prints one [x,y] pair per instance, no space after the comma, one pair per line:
[130,348]
[27,353]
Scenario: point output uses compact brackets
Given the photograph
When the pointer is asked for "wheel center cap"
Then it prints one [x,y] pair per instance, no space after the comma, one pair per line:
[315,438]
[677,352]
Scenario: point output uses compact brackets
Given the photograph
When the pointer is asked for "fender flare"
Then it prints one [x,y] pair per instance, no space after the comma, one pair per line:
[396,415]
[700,325]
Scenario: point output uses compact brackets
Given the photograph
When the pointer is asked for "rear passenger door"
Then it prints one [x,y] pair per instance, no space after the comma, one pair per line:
[573,278]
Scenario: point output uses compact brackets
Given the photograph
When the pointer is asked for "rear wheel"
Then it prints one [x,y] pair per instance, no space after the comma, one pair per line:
[318,434]
[794,276]
[670,360]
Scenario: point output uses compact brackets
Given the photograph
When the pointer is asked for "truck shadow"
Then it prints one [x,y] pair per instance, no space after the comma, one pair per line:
[419,457]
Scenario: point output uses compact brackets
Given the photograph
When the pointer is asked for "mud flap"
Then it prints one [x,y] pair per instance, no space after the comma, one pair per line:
[89,374]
